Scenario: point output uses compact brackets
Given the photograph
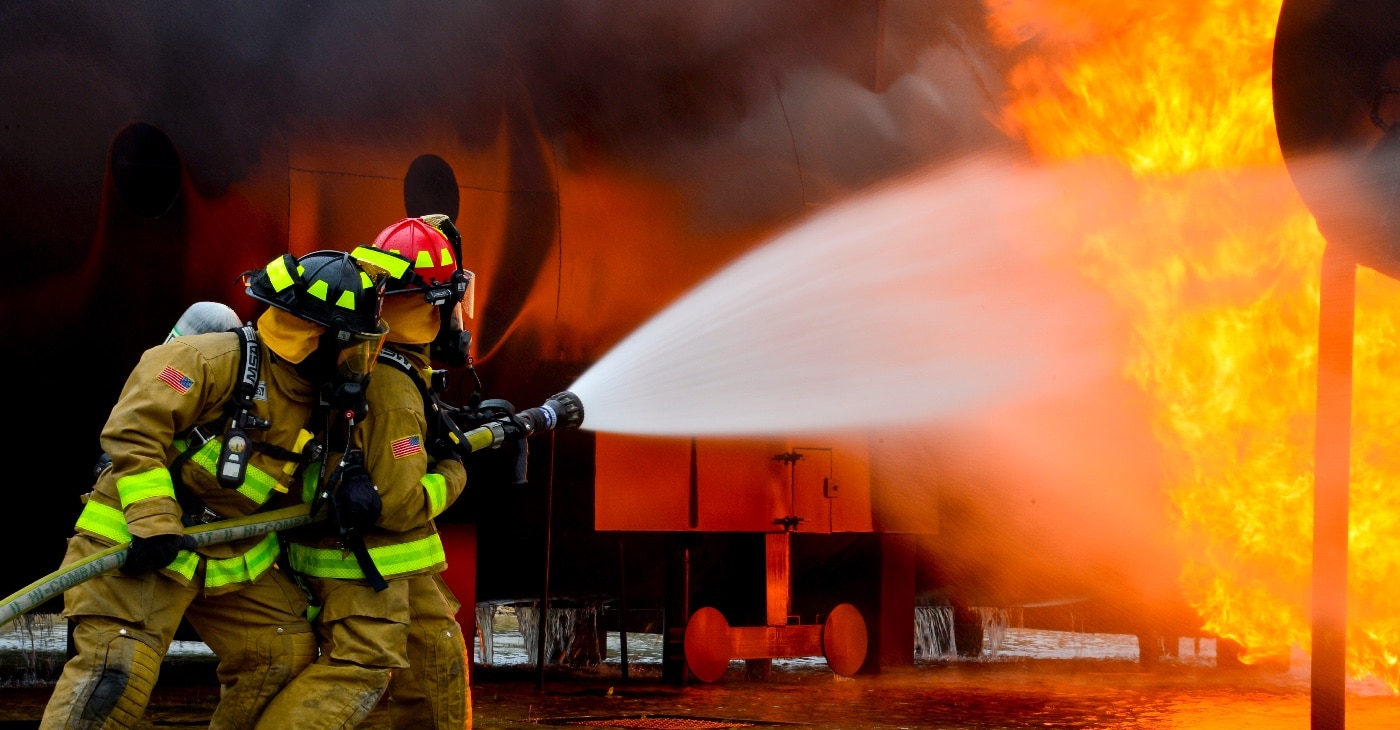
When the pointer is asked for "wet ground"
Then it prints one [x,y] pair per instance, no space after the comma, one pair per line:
[1035,680]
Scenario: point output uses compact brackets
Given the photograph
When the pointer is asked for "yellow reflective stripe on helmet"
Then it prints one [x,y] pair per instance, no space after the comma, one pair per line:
[104,520]
[185,563]
[136,487]
[425,260]
[346,299]
[436,487]
[446,257]
[277,274]
[390,559]
[244,568]
[257,484]
[396,266]
[318,289]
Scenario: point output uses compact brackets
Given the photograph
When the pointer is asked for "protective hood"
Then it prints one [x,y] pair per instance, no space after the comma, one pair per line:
[411,320]
[288,335]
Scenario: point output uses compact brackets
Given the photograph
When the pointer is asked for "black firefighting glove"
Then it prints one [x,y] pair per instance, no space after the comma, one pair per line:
[355,503]
[155,552]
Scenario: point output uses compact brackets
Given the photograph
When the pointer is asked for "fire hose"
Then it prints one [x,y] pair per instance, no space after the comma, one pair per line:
[563,410]
[35,594]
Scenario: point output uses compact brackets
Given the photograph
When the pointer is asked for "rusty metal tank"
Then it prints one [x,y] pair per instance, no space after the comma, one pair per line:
[599,158]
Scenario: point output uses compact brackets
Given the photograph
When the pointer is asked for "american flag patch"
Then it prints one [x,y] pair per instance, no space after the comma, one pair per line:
[176,379]
[406,446]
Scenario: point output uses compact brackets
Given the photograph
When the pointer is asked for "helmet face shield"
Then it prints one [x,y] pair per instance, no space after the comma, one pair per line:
[357,353]
[458,315]
[467,302]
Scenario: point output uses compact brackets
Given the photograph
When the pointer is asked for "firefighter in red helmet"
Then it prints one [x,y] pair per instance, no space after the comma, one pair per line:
[388,628]
[207,427]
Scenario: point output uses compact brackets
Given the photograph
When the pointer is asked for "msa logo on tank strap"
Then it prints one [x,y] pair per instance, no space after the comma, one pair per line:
[251,360]
[402,362]
[233,458]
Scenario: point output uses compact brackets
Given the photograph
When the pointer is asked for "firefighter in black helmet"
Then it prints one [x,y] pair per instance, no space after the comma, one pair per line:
[208,427]
[387,624]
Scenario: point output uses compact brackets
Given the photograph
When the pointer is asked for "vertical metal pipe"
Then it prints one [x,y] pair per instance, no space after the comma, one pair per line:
[1331,490]
[677,613]
[694,486]
[622,594]
[541,622]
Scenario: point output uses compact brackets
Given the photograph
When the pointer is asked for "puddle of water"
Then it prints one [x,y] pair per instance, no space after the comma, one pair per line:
[1039,679]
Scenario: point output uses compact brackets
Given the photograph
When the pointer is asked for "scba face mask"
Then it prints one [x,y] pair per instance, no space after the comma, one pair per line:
[356,355]
[453,342]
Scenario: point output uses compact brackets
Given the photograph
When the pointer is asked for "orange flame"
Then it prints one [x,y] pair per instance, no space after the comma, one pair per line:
[1218,264]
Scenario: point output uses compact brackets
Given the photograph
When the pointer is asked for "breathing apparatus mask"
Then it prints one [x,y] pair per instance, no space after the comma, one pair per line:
[453,341]
[349,358]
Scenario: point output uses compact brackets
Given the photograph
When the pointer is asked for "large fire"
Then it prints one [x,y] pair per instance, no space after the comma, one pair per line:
[1218,265]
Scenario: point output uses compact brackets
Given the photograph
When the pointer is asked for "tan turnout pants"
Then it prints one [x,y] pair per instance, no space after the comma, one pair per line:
[124,625]
[433,692]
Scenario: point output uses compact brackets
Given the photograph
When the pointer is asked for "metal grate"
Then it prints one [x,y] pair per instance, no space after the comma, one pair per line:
[651,722]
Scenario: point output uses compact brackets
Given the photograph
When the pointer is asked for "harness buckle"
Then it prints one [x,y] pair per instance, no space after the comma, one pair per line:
[201,435]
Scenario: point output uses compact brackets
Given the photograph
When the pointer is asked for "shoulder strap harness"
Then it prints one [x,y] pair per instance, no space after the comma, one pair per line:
[233,458]
[442,427]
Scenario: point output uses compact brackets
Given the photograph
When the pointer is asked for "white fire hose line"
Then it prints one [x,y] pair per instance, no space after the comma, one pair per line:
[37,593]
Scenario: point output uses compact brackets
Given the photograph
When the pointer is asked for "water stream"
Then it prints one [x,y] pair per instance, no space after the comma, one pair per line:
[936,295]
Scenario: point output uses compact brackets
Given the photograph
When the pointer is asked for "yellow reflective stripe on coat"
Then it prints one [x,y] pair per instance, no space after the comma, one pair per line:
[185,563]
[103,520]
[257,484]
[110,523]
[436,487]
[133,488]
[390,559]
[244,568]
